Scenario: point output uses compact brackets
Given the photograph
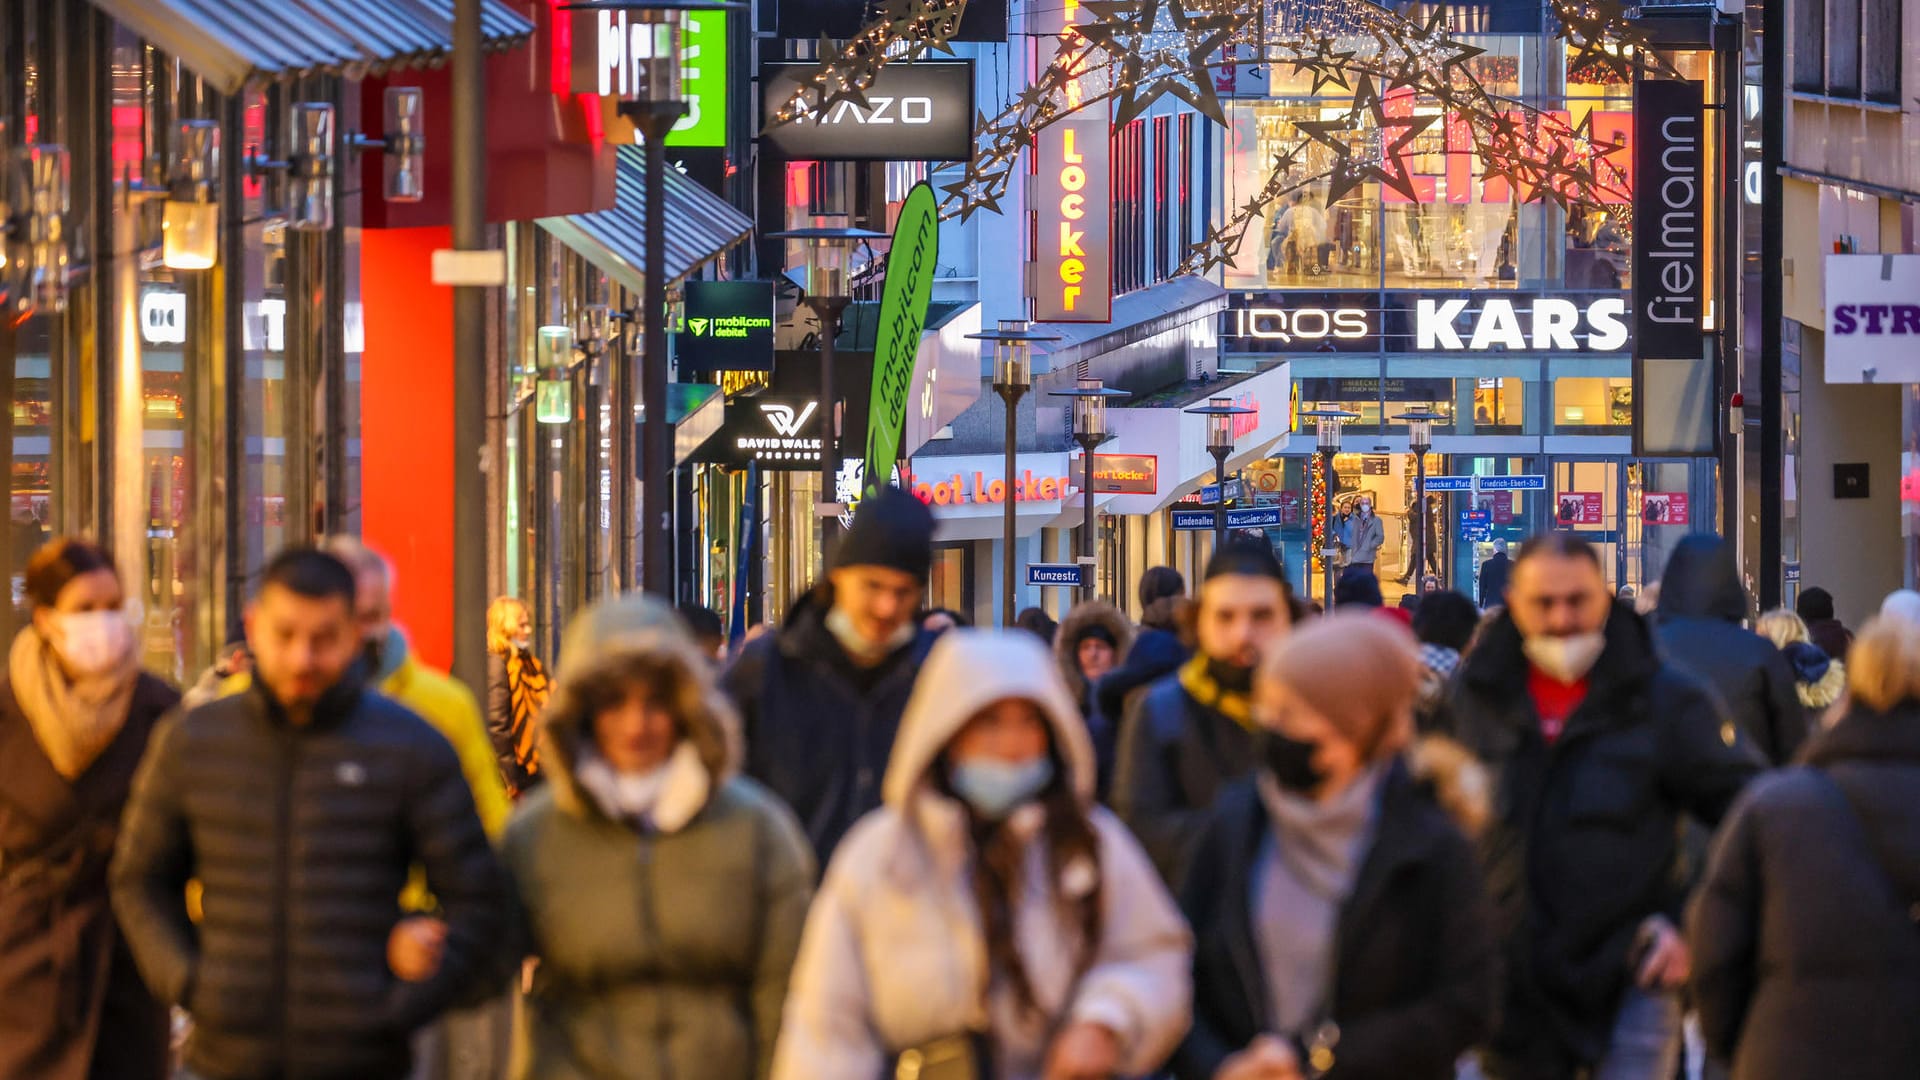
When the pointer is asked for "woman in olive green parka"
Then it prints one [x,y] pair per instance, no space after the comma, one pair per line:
[662,893]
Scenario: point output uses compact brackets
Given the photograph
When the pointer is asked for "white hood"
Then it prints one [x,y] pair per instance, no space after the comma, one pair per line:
[967,671]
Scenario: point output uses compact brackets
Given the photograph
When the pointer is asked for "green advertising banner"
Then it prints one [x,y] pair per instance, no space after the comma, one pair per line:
[903,315]
[703,60]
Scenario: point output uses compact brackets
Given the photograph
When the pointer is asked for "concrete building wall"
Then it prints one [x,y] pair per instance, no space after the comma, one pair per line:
[1851,547]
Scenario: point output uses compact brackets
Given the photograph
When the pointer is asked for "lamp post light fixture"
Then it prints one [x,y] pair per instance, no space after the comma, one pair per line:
[1012,378]
[1090,399]
[829,253]
[653,98]
[190,224]
[1220,413]
[1327,431]
[1420,440]
[37,197]
[553,388]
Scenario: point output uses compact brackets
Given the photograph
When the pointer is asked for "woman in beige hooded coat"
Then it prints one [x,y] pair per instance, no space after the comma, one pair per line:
[989,907]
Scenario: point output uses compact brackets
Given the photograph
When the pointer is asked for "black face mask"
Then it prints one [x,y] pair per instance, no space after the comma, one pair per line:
[1290,762]
[1233,678]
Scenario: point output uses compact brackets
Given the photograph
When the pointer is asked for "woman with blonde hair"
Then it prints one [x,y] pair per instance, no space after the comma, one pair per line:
[1805,961]
[1819,679]
[517,689]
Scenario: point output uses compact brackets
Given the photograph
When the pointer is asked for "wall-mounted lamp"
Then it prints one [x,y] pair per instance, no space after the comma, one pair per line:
[553,391]
[310,168]
[404,144]
[190,226]
[39,180]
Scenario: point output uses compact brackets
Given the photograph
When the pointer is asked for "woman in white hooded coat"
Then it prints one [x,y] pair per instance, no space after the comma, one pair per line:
[989,909]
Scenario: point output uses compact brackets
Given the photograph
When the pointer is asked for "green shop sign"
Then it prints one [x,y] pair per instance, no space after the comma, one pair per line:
[703,59]
[728,327]
[903,315]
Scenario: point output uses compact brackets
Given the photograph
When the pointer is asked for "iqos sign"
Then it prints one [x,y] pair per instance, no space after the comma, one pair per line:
[1307,324]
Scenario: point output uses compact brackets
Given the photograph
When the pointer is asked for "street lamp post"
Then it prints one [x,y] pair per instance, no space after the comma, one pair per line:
[1327,433]
[1089,431]
[1219,412]
[1420,439]
[829,250]
[1012,378]
[654,99]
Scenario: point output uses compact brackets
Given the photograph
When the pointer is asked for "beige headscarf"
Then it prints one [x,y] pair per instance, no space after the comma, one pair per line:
[73,720]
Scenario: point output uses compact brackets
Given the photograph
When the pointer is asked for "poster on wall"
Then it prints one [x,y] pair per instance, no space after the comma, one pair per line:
[1664,508]
[1873,318]
[1580,508]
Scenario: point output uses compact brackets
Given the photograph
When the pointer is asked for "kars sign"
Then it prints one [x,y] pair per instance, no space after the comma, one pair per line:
[1073,268]
[1873,318]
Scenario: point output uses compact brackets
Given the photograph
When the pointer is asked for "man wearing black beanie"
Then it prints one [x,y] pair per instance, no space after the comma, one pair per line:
[1191,733]
[821,699]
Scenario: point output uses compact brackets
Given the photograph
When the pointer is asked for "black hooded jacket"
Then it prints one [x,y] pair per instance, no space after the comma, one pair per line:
[1583,845]
[1698,629]
[818,727]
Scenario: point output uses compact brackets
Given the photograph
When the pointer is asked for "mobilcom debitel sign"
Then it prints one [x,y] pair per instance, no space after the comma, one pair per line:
[903,315]
[728,327]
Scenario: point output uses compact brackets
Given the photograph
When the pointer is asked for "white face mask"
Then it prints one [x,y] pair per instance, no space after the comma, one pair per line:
[840,625]
[1566,659]
[92,642]
[523,643]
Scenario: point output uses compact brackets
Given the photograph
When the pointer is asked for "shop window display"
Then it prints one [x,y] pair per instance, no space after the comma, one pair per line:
[1499,406]
[1592,405]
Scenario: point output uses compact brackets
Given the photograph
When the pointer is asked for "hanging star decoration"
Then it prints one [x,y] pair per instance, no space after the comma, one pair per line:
[1601,34]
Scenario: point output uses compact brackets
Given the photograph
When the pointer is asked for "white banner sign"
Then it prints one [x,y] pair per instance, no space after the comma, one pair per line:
[1873,318]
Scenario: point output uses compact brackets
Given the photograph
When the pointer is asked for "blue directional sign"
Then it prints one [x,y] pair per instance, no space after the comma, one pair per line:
[1210,493]
[1524,482]
[1061,575]
[1246,517]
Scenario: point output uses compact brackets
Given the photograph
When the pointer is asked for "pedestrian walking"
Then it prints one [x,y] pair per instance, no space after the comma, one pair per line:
[1340,925]
[820,699]
[299,806]
[991,919]
[233,660]
[1037,622]
[1818,679]
[939,620]
[709,632]
[76,712]
[517,689]
[1815,608]
[1159,646]
[1190,734]
[1495,571]
[1444,625]
[1600,749]
[1697,627]
[1358,588]
[1807,962]
[1094,639]
[663,893]
[1366,534]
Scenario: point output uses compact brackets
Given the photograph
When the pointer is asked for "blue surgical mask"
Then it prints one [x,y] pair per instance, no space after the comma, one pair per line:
[993,788]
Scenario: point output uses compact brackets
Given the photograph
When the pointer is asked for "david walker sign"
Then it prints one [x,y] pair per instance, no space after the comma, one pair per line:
[1873,318]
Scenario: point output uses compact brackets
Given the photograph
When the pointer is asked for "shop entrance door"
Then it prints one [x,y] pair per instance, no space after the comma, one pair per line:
[1590,500]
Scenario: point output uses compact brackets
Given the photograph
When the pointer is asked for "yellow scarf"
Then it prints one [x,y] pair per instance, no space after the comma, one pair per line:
[1203,688]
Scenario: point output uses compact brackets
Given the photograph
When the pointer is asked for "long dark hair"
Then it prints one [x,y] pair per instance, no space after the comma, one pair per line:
[998,857]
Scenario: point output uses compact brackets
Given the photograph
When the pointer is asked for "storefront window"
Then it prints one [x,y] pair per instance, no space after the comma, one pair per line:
[1499,406]
[34,435]
[1592,406]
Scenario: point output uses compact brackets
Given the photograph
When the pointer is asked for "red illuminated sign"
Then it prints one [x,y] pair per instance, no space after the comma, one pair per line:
[1607,147]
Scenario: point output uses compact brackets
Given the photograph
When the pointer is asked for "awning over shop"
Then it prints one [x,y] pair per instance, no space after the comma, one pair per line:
[231,43]
[1159,426]
[700,226]
[695,411]
[1137,316]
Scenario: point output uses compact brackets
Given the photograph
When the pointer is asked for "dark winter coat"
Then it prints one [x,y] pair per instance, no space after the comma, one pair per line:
[1583,845]
[1176,754]
[1415,968]
[72,1004]
[1494,574]
[1806,956]
[818,729]
[1157,652]
[302,838]
[1698,630]
[1832,636]
[1102,727]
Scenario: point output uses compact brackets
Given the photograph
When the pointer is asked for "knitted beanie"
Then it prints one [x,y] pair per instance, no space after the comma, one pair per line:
[1358,670]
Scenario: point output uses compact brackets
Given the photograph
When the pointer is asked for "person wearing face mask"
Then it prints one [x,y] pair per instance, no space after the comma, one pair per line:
[517,689]
[662,892]
[820,699]
[1601,749]
[76,712]
[1365,536]
[990,920]
[1191,733]
[1341,926]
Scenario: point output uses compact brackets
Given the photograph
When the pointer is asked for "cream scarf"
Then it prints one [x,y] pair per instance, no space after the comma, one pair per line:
[74,721]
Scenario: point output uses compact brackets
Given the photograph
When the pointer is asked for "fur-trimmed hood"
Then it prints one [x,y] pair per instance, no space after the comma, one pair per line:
[1455,779]
[1066,642]
[638,638]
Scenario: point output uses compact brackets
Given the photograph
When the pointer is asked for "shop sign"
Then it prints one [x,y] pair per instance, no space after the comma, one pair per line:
[1580,508]
[1669,238]
[1791,573]
[903,316]
[605,49]
[1246,517]
[1664,508]
[1551,324]
[728,326]
[1302,324]
[1290,507]
[1284,322]
[977,487]
[1873,318]
[919,110]
[1126,474]
[1058,575]
[842,20]
[163,317]
[778,431]
[1370,388]
[1073,208]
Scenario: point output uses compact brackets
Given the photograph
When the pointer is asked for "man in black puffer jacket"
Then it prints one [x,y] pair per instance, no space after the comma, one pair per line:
[299,805]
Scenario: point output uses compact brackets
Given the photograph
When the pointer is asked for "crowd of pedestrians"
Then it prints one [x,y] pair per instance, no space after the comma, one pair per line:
[1236,840]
